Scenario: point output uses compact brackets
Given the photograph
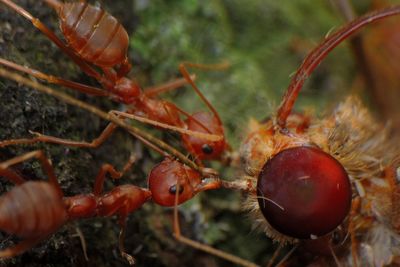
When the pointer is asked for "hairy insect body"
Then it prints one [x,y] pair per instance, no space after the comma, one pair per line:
[363,147]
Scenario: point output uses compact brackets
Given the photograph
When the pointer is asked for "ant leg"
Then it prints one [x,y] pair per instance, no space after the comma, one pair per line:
[44,161]
[275,255]
[183,69]
[286,257]
[55,140]
[203,247]
[122,222]
[85,67]
[87,89]
[81,237]
[19,248]
[11,175]
[168,86]
[210,137]
[108,168]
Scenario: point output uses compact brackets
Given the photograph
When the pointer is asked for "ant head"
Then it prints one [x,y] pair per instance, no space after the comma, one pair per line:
[163,181]
[205,122]
[304,192]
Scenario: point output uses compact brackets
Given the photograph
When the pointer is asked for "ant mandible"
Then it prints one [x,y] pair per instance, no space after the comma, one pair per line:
[96,38]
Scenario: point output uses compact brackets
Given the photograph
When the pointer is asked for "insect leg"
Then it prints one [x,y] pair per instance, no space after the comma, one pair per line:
[210,137]
[105,134]
[108,168]
[203,247]
[275,255]
[121,246]
[44,161]
[183,69]
[167,86]
[19,248]
[87,89]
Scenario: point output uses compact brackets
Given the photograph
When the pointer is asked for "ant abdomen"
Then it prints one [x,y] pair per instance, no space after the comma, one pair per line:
[93,33]
[22,212]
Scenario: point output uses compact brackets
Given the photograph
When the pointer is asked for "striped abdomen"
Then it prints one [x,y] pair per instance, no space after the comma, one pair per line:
[31,210]
[94,34]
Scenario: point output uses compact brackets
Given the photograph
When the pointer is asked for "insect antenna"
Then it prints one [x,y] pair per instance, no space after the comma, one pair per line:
[315,57]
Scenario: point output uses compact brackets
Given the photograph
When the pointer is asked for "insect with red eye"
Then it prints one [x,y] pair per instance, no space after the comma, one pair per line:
[309,179]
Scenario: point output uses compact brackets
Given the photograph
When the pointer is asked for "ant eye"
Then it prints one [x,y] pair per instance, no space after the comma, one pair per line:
[172,189]
[207,149]
[304,192]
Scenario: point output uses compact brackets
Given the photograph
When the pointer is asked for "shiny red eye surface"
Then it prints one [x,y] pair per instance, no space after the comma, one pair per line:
[304,192]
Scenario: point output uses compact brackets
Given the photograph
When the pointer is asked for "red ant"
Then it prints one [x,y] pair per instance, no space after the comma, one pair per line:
[43,205]
[96,38]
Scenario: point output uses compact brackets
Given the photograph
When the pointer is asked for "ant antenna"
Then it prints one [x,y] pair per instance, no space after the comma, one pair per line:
[319,53]
[183,69]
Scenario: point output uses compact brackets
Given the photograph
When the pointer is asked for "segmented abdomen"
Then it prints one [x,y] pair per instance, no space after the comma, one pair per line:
[94,34]
[31,210]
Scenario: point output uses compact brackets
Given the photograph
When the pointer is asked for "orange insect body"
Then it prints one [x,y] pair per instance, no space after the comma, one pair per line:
[94,34]
[22,212]
[22,209]
[122,200]
[349,136]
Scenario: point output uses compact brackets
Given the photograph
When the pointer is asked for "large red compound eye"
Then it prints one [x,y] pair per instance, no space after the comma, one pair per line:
[304,192]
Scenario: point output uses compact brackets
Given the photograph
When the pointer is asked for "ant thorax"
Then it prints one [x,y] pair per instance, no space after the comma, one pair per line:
[358,142]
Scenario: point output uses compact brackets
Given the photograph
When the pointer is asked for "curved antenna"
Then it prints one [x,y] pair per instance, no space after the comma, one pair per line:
[183,69]
[319,53]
